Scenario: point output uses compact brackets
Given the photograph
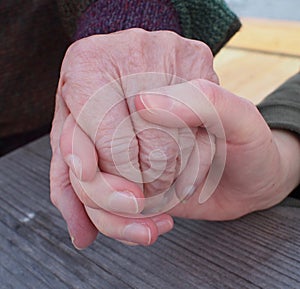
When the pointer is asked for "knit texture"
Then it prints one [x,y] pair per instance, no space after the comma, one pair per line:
[70,11]
[114,15]
[209,21]
[281,109]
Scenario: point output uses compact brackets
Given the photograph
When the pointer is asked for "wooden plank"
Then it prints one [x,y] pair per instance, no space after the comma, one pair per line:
[275,36]
[53,249]
[261,250]
[22,259]
[259,58]
[8,280]
[253,75]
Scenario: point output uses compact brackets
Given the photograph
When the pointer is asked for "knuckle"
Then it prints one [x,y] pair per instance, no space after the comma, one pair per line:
[78,48]
[206,51]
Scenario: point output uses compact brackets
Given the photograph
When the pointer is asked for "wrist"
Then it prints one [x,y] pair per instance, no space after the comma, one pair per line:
[288,145]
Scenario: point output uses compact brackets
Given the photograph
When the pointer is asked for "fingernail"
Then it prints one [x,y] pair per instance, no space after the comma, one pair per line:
[157,101]
[75,246]
[124,202]
[137,233]
[75,164]
[128,243]
[164,226]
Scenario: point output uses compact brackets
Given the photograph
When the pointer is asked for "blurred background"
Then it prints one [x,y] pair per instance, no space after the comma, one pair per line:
[266,50]
[273,9]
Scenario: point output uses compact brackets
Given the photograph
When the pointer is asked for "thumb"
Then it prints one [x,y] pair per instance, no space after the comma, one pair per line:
[201,103]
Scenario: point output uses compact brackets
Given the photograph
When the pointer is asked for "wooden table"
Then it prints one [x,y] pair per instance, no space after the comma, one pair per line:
[259,58]
[261,250]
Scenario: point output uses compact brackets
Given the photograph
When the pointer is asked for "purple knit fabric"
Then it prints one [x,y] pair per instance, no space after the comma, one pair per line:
[106,16]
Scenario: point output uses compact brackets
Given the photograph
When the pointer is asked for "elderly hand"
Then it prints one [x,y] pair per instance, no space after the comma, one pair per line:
[114,156]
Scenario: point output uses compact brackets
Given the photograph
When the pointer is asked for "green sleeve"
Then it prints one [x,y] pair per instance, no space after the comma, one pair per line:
[209,21]
[281,109]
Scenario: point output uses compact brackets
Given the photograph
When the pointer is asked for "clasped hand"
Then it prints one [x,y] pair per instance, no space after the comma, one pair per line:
[139,112]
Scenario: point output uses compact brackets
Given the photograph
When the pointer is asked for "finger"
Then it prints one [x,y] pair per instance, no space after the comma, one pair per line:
[105,119]
[197,167]
[164,223]
[94,94]
[186,142]
[164,154]
[158,154]
[109,192]
[80,192]
[117,145]
[78,150]
[139,231]
[81,230]
[201,103]
[159,147]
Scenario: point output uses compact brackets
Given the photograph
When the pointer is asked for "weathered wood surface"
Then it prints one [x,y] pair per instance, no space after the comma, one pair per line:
[258,251]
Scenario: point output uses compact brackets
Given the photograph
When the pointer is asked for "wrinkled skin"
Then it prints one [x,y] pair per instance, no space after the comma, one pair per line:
[262,165]
[89,109]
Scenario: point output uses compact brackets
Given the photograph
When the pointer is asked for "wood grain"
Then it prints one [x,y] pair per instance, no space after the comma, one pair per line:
[273,36]
[259,58]
[261,250]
